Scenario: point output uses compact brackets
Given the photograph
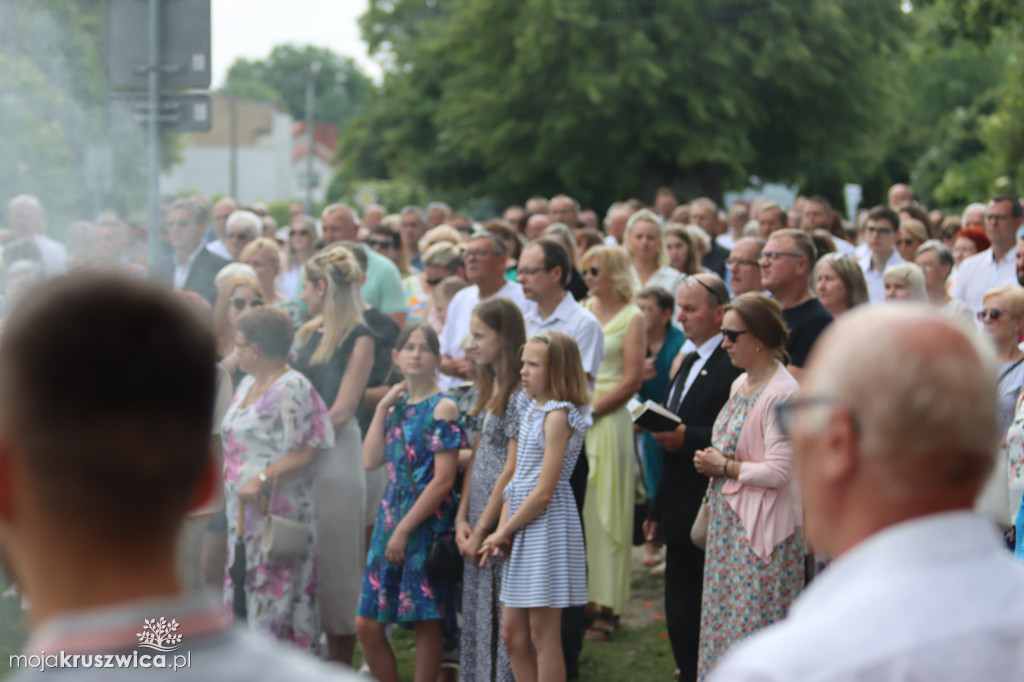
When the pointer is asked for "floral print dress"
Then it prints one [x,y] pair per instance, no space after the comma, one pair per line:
[741,594]
[404,593]
[280,592]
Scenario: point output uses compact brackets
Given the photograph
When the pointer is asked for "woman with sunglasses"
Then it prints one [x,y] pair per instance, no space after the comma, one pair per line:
[609,445]
[440,261]
[236,293]
[753,566]
[387,241]
[336,353]
[302,243]
[264,256]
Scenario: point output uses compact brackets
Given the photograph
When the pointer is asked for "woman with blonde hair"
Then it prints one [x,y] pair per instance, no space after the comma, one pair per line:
[904,282]
[910,235]
[753,566]
[264,256]
[609,446]
[236,293]
[839,283]
[440,260]
[303,237]
[682,252]
[646,247]
[336,352]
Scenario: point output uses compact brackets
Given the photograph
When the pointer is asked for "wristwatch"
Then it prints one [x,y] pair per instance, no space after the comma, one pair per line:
[262,476]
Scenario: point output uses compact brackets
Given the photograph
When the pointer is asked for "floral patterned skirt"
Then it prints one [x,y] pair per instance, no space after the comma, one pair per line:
[742,593]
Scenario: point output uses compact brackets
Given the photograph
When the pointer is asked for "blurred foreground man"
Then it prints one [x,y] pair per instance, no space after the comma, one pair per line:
[891,450]
[106,392]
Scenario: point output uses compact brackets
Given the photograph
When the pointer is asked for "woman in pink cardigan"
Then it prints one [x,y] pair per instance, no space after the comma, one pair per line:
[753,567]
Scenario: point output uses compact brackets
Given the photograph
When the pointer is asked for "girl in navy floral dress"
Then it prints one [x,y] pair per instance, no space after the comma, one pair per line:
[416,433]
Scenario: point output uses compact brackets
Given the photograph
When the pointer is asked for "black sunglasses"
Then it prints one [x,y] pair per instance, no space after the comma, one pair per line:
[379,244]
[593,272]
[733,334]
[434,282]
[241,304]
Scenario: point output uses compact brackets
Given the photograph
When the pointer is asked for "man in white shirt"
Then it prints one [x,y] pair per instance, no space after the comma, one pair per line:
[891,450]
[191,267]
[544,270]
[818,216]
[995,265]
[222,210]
[880,236]
[486,256]
[28,221]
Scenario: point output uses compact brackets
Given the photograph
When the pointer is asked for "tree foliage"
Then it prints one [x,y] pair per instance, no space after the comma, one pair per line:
[342,89]
[608,98]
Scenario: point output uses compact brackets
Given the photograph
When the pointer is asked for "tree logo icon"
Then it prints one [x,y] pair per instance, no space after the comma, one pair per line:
[159,634]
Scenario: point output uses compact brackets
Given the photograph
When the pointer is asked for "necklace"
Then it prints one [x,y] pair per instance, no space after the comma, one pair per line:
[754,384]
[259,388]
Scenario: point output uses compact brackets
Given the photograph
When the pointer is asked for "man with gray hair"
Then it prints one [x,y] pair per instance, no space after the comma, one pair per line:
[438,213]
[413,227]
[891,450]
[936,262]
[486,256]
[241,228]
[27,220]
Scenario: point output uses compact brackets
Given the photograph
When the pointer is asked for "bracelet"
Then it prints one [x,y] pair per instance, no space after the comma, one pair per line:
[458,521]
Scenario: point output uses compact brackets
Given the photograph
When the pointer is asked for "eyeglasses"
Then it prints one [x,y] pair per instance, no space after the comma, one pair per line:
[688,280]
[593,272]
[776,255]
[786,411]
[480,253]
[734,334]
[241,303]
[733,262]
[880,231]
[379,243]
[991,314]
[532,271]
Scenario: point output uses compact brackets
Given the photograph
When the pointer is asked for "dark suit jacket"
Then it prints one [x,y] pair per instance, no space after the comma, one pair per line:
[714,260]
[681,488]
[200,278]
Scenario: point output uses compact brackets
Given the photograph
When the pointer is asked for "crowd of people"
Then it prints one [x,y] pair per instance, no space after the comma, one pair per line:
[428,421]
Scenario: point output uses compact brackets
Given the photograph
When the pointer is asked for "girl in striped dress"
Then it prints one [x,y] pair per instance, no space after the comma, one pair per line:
[539,528]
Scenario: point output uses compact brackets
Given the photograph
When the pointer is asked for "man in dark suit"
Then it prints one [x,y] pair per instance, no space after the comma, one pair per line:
[700,387]
[192,267]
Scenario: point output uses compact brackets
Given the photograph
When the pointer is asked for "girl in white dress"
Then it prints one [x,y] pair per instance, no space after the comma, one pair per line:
[539,527]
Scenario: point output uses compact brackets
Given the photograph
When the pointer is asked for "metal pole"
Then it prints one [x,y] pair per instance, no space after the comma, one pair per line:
[233,120]
[310,138]
[153,127]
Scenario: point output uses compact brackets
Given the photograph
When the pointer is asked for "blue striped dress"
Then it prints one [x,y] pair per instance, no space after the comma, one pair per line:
[547,565]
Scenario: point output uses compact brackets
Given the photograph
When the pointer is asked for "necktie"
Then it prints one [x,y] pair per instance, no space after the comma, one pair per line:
[676,393]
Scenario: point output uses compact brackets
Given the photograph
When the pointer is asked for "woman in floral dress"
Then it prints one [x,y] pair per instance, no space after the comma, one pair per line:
[753,567]
[272,434]
[416,432]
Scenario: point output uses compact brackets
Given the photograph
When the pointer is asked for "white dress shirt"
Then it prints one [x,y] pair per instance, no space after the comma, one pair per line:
[218,248]
[876,278]
[981,272]
[573,319]
[703,353]
[460,310]
[181,271]
[935,598]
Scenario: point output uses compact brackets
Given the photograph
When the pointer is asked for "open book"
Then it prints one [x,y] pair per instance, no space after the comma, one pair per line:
[652,416]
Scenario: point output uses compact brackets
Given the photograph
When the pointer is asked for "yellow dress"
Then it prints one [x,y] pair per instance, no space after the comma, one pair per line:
[608,506]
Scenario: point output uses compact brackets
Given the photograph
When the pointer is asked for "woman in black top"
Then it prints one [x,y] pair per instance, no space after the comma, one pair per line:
[336,352]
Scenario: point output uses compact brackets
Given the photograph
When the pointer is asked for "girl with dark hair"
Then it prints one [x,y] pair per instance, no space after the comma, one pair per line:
[415,431]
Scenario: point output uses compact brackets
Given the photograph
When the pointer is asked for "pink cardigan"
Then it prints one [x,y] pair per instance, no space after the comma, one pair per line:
[763,496]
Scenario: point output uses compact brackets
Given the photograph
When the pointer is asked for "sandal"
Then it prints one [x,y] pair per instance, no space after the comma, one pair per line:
[600,630]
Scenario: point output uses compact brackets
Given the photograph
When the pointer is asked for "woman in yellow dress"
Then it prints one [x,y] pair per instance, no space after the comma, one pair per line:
[608,505]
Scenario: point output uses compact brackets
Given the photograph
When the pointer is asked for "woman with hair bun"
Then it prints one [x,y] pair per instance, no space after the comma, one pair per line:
[336,351]
[753,566]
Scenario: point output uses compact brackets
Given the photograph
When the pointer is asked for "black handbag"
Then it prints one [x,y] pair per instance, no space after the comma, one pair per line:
[444,563]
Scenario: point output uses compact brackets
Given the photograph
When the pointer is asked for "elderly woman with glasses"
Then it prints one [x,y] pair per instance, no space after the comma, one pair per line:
[753,567]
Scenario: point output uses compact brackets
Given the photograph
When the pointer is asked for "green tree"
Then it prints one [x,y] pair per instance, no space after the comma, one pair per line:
[608,98]
[342,89]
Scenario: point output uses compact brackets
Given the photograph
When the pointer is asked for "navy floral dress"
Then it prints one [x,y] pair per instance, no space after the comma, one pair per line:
[403,593]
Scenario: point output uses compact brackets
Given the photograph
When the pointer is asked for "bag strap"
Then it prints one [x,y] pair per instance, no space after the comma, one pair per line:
[1009,369]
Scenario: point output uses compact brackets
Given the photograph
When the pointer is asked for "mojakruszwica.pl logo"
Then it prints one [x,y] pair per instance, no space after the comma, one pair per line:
[157,635]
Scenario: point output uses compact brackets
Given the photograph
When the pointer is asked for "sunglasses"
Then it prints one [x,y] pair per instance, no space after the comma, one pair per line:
[992,314]
[434,282]
[379,243]
[733,334]
[242,304]
[593,272]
